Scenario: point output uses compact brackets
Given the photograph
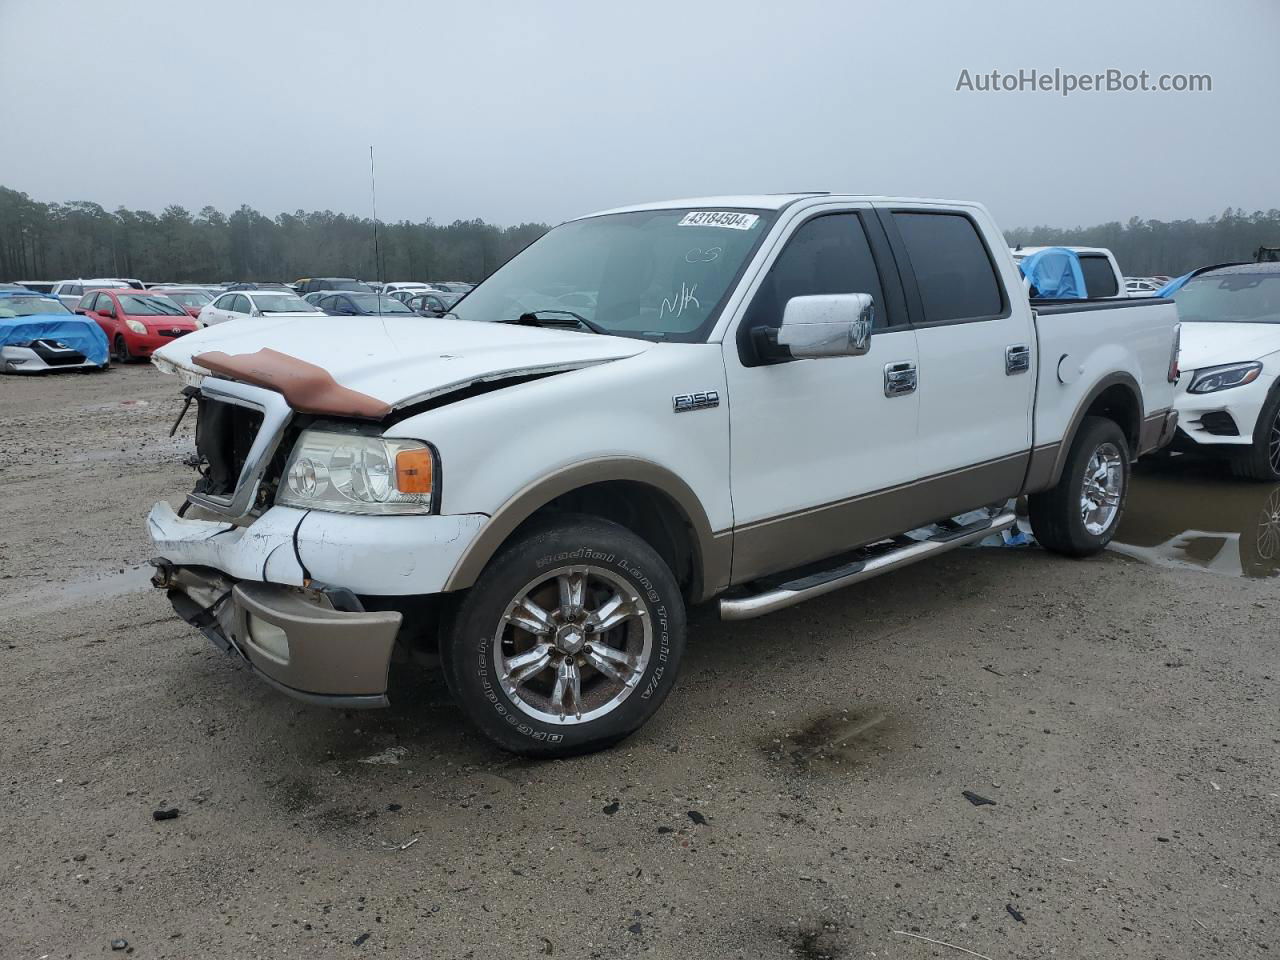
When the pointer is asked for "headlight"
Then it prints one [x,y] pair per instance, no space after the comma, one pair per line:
[1213,379]
[350,473]
[137,326]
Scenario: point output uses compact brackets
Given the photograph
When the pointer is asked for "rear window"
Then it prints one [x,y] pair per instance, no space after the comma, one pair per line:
[953,270]
[1099,278]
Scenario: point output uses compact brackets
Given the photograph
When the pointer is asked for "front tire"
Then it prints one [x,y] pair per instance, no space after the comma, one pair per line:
[569,641]
[122,354]
[1079,516]
[1262,460]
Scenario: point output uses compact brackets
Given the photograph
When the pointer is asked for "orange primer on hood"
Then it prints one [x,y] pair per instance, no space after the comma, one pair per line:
[308,388]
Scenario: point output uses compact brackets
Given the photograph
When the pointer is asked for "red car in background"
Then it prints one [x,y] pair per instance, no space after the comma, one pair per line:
[135,322]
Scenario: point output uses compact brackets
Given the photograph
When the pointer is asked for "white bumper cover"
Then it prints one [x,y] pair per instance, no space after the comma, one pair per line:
[1243,404]
[377,556]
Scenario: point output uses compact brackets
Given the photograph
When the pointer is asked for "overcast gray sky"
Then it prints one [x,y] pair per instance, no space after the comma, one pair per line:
[515,111]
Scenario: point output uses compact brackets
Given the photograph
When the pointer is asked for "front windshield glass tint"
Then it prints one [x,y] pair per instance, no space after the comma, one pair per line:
[150,307]
[281,303]
[188,298]
[653,274]
[30,307]
[355,285]
[370,304]
[1230,298]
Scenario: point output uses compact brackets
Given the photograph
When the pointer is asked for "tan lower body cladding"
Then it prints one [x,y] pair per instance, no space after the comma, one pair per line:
[780,543]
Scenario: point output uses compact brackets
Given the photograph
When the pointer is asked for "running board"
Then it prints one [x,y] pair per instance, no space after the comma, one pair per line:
[818,584]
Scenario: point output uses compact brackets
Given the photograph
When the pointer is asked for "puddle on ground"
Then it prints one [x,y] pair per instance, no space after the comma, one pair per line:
[1196,516]
[48,597]
[841,738]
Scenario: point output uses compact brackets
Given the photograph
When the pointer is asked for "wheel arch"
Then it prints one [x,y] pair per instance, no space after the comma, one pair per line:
[1116,397]
[650,500]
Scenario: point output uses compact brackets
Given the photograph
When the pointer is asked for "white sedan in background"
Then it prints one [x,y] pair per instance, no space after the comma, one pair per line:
[1228,399]
[256,303]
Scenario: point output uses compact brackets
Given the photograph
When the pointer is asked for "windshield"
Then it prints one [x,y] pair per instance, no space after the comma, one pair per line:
[30,307]
[282,303]
[654,274]
[1230,298]
[138,306]
[188,298]
[347,285]
[369,303]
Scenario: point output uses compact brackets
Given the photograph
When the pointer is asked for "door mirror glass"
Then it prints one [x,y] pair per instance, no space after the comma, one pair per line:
[827,325]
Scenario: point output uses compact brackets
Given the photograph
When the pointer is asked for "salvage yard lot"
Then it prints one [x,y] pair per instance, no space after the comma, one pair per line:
[800,795]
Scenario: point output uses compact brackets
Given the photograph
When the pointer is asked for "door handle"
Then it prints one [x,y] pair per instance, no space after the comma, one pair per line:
[899,378]
[1017,359]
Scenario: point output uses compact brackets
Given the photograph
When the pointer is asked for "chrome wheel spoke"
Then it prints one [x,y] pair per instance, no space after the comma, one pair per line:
[525,665]
[568,684]
[573,593]
[614,664]
[527,615]
[611,613]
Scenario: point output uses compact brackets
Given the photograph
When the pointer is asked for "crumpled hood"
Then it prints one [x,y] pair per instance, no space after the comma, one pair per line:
[400,360]
[1211,344]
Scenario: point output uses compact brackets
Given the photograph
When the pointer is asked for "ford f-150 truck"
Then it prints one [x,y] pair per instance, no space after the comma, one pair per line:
[758,399]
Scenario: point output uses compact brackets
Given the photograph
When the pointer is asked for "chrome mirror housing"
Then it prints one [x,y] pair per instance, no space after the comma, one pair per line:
[827,325]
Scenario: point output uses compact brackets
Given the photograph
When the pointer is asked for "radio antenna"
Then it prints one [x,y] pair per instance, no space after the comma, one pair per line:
[377,267]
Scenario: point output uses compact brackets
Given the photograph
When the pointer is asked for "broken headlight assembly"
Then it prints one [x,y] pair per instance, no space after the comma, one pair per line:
[1213,379]
[351,473]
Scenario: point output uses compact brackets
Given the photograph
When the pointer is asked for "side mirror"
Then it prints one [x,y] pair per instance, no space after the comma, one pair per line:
[107,311]
[827,325]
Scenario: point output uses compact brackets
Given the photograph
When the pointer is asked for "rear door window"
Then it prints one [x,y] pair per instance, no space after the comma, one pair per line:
[1099,278]
[953,270]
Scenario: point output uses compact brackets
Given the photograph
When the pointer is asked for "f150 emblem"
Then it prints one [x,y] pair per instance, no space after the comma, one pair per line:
[684,402]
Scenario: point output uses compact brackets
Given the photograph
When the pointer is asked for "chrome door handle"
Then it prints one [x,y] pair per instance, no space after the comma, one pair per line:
[899,378]
[1017,359]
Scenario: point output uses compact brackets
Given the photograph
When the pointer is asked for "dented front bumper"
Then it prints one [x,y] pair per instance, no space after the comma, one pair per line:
[299,640]
[284,591]
[393,556]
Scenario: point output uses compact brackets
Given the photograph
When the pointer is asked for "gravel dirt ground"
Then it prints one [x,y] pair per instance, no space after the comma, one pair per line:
[800,795]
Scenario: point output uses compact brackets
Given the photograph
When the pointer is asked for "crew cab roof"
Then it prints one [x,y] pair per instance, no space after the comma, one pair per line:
[769,201]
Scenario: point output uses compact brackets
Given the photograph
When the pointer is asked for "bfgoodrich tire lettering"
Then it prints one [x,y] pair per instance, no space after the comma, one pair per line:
[569,640]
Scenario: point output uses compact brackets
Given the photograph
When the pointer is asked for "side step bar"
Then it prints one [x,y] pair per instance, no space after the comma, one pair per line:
[818,584]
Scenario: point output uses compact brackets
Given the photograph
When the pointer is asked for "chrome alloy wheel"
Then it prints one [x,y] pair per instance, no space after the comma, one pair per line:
[573,644]
[1268,536]
[1273,445]
[1103,489]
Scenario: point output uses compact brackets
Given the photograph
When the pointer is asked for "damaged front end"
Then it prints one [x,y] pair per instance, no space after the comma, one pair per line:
[316,644]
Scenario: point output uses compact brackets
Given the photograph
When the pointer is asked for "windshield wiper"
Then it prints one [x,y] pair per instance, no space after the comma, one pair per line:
[530,318]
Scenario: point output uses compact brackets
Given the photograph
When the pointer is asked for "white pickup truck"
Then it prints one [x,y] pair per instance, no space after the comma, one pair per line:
[759,399]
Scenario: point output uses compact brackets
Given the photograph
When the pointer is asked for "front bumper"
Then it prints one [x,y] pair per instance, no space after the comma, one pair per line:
[20,359]
[1241,404]
[370,556]
[143,345]
[295,639]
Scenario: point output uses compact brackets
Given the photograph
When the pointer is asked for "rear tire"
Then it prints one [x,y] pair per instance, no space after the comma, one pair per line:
[1262,460]
[1079,516]
[569,641]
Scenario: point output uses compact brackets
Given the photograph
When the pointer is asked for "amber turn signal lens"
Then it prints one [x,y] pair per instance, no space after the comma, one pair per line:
[413,471]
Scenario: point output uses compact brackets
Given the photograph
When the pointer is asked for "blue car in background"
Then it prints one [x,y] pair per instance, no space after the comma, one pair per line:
[39,334]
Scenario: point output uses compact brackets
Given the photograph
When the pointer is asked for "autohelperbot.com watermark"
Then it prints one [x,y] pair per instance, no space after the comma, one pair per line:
[1065,82]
